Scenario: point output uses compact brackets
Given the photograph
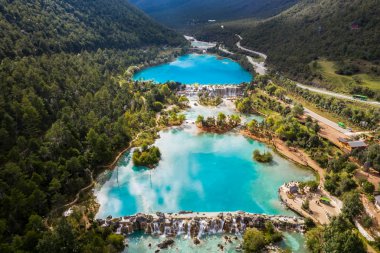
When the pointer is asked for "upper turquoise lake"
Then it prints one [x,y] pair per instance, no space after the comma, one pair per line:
[197,68]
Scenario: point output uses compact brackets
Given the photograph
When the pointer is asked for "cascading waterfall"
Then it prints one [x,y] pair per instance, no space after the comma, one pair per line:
[214,226]
[181,228]
[242,226]
[234,225]
[221,226]
[156,228]
[167,230]
[118,230]
[188,236]
[202,227]
[198,227]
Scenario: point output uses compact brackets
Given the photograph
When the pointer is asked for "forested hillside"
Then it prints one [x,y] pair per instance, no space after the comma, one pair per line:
[180,13]
[338,30]
[45,26]
[67,109]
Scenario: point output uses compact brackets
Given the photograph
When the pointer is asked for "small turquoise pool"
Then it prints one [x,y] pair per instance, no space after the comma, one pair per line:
[204,69]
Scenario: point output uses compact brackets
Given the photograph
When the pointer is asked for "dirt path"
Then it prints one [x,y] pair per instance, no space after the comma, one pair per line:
[121,153]
[77,196]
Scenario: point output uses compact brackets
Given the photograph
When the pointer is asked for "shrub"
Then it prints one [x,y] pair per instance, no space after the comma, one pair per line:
[305,205]
[266,157]
[253,240]
[368,187]
[148,157]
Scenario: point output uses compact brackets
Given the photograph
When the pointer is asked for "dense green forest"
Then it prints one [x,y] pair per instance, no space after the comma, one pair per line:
[185,13]
[67,108]
[338,30]
[62,116]
[50,26]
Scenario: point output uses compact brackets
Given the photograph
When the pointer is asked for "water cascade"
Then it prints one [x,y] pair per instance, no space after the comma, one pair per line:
[196,226]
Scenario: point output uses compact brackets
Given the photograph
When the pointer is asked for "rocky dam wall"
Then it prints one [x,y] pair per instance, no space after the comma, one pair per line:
[195,225]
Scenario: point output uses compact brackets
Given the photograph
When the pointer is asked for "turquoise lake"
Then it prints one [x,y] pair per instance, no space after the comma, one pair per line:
[200,172]
[197,68]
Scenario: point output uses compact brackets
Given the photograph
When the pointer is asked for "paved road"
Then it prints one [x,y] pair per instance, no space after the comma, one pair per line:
[321,91]
[251,51]
[334,94]
[326,121]
[258,66]
[221,48]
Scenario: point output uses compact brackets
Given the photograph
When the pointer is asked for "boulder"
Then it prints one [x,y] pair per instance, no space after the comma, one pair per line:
[196,241]
[165,244]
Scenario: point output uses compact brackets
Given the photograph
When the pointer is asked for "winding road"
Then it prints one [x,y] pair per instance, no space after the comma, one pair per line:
[258,66]
[334,94]
[261,69]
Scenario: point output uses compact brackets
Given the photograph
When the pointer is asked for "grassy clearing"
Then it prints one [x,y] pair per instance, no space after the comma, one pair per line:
[343,83]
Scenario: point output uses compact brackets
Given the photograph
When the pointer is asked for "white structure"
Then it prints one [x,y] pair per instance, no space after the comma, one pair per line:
[377,201]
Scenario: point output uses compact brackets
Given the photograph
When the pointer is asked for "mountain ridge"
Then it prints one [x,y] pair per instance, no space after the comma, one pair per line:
[179,13]
[33,28]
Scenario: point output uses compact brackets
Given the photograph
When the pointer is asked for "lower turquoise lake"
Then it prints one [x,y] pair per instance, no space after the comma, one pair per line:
[197,68]
[200,172]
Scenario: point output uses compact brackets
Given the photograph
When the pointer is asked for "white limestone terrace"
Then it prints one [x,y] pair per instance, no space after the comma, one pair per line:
[202,45]
[198,224]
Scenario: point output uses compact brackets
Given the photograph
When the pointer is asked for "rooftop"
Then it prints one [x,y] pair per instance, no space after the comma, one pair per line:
[343,140]
[357,144]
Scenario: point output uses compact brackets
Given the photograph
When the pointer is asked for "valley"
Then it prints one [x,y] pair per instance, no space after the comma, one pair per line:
[256,131]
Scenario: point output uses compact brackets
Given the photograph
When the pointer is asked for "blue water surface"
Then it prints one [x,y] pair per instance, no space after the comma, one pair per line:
[200,172]
[197,68]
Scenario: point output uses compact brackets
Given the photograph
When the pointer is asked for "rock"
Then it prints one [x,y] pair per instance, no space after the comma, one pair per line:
[157,251]
[196,241]
[149,245]
[165,244]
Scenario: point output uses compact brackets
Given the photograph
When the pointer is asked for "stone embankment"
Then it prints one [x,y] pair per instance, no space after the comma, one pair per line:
[195,225]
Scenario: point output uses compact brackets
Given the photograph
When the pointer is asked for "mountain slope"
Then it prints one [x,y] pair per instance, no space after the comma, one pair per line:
[35,27]
[343,31]
[336,29]
[177,13]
